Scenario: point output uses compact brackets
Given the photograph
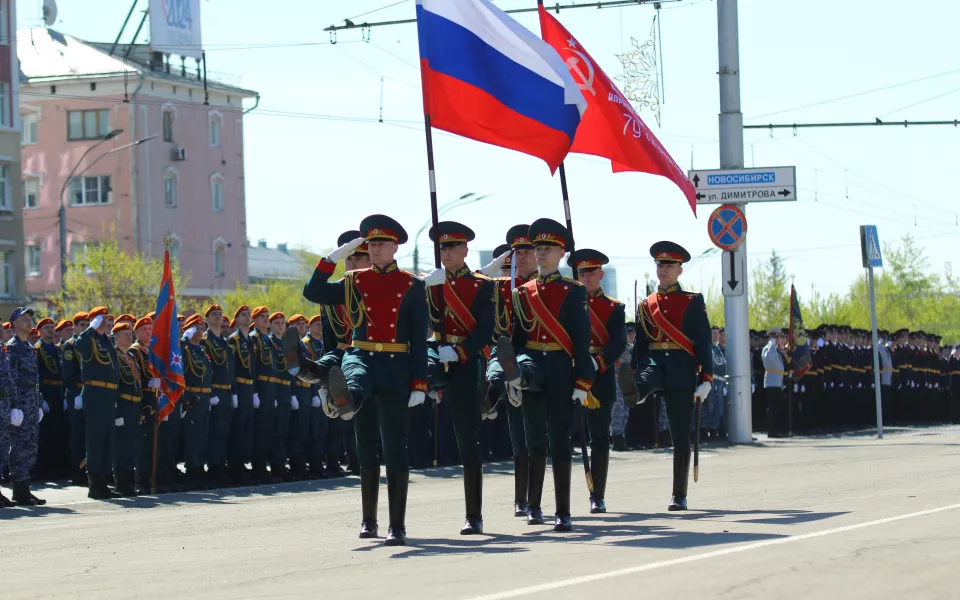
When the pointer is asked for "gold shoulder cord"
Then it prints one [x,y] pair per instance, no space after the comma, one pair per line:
[646,331]
[48,361]
[127,369]
[260,344]
[336,323]
[193,366]
[432,308]
[101,357]
[501,318]
[245,365]
[526,323]
[218,356]
[351,299]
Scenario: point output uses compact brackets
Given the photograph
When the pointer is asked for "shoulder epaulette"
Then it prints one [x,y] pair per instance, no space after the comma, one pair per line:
[614,300]
[481,276]
[70,341]
[37,344]
[570,280]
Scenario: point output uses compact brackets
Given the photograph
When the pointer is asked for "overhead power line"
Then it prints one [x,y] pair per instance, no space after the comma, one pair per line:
[875,123]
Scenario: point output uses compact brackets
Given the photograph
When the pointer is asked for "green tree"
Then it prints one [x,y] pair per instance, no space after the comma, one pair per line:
[285,296]
[769,294]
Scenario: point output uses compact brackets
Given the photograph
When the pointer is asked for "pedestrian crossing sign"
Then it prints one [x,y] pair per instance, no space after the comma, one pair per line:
[870,246]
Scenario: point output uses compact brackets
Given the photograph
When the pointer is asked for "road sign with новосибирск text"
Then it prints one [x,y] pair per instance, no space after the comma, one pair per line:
[737,186]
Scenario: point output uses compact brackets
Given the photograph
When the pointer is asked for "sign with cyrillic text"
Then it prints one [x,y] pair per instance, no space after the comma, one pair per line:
[737,186]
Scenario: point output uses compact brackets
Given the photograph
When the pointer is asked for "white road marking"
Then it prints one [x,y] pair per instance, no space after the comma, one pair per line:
[555,585]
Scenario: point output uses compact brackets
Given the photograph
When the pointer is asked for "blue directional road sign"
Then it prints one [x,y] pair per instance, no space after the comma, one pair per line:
[870,246]
[727,226]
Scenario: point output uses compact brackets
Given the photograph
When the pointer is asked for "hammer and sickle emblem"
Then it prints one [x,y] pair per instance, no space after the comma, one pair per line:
[586,79]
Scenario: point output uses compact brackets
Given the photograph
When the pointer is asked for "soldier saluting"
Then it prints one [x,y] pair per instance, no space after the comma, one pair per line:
[673,353]
[385,368]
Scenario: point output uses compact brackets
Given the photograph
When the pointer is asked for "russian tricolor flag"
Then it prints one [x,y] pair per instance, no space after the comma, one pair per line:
[488,78]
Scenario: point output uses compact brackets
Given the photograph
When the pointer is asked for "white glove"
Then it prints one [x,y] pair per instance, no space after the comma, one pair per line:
[315,402]
[803,389]
[596,367]
[44,408]
[514,395]
[344,251]
[294,404]
[436,277]
[580,396]
[154,383]
[235,401]
[214,400]
[96,322]
[41,415]
[183,413]
[78,403]
[325,403]
[796,388]
[434,395]
[275,404]
[831,385]
[448,354]
[64,405]
[703,391]
[16,417]
[256,400]
[119,422]
[859,385]
[416,398]
[724,391]
[493,268]
[753,388]
[165,419]
[188,334]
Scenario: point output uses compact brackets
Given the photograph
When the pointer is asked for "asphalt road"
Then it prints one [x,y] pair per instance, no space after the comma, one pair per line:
[850,517]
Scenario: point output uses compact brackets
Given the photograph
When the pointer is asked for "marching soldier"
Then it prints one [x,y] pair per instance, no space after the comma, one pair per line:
[149,386]
[608,338]
[223,400]
[524,262]
[52,454]
[25,409]
[198,376]
[673,353]
[547,363]
[100,373]
[467,325]
[773,379]
[265,398]
[72,385]
[127,425]
[245,391]
[384,369]
[285,400]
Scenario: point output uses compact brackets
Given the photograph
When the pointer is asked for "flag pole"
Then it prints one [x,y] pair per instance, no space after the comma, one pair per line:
[156,434]
[791,344]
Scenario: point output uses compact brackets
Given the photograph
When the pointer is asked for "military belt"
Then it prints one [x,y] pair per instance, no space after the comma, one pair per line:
[199,390]
[380,346]
[244,381]
[130,397]
[302,384]
[220,386]
[79,384]
[270,379]
[546,347]
[101,384]
[450,339]
[775,372]
[50,382]
[342,346]
[596,349]
[665,346]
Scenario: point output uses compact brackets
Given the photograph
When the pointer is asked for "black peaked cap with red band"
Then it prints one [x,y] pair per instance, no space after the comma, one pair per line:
[451,233]
[549,232]
[586,259]
[379,228]
[669,252]
[519,237]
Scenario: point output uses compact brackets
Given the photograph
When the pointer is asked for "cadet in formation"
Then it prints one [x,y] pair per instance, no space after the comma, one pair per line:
[127,434]
[245,388]
[673,354]
[196,398]
[384,370]
[461,316]
[223,398]
[52,454]
[548,366]
[72,387]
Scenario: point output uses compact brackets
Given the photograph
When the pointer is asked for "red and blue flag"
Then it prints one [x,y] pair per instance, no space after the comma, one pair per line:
[487,78]
[799,342]
[166,361]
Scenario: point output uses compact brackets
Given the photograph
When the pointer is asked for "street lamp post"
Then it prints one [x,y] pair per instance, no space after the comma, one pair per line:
[461,201]
[66,183]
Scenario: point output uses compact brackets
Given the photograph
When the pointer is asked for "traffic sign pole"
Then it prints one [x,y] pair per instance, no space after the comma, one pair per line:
[739,401]
[876,352]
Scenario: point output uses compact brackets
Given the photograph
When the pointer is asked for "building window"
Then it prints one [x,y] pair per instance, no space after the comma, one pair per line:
[78,251]
[86,191]
[219,257]
[168,125]
[215,124]
[29,135]
[31,193]
[170,189]
[6,274]
[5,115]
[216,192]
[33,260]
[5,200]
[87,124]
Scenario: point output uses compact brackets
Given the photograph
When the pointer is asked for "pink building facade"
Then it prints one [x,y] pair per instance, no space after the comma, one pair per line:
[184,182]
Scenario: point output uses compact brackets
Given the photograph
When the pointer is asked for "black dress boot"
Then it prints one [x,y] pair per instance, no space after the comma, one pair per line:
[619,443]
[5,502]
[345,402]
[473,494]
[599,465]
[79,478]
[99,489]
[397,496]
[23,497]
[369,494]
[681,476]
[521,476]
[538,470]
[299,365]
[123,484]
[561,488]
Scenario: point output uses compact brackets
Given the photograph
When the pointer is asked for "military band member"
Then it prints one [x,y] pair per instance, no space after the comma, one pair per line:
[127,435]
[223,400]
[195,401]
[384,369]
[245,383]
[673,347]
[522,262]
[100,373]
[72,384]
[266,408]
[608,338]
[467,325]
[52,454]
[285,400]
[548,361]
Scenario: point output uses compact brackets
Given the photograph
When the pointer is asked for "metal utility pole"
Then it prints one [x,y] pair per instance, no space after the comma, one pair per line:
[740,423]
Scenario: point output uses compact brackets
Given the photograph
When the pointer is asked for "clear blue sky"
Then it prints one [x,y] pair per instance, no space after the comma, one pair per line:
[309,178]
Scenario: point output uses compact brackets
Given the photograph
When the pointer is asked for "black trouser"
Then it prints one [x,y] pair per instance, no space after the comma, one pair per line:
[680,406]
[462,396]
[777,417]
[598,420]
[218,435]
[53,448]
[99,409]
[264,422]
[241,428]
